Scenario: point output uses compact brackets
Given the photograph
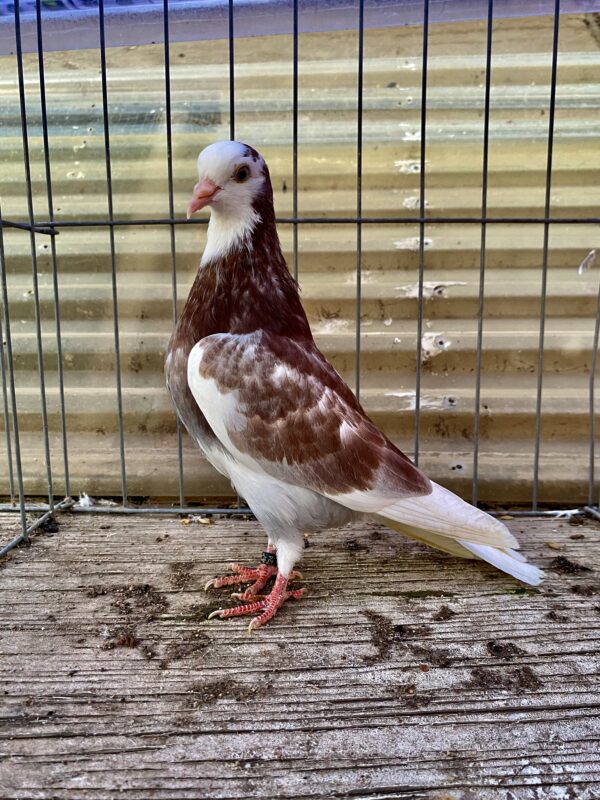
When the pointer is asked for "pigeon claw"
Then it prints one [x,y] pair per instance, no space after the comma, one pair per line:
[258,577]
[268,606]
[270,611]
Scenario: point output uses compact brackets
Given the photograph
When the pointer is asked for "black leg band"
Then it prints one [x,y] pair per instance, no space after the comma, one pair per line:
[270,559]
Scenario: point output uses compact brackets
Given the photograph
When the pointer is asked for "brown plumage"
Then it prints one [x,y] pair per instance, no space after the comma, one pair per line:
[270,411]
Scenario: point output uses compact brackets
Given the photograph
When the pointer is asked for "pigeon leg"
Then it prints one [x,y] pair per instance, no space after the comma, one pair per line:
[257,576]
[268,606]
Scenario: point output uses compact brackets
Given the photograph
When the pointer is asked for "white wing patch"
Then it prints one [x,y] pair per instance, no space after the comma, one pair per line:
[219,408]
[281,372]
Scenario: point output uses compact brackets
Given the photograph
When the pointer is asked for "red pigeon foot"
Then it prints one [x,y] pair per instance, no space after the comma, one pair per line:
[258,576]
[269,605]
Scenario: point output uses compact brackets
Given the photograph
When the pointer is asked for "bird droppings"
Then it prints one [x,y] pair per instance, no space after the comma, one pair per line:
[555,616]
[191,643]
[140,600]
[587,263]
[355,546]
[412,243]
[409,166]
[414,201]
[437,657]
[517,680]
[330,326]
[382,636]
[408,400]
[207,694]
[50,525]
[410,696]
[431,289]
[445,613]
[566,567]
[585,590]
[432,344]
[180,575]
[119,636]
[504,650]
[411,631]
[200,612]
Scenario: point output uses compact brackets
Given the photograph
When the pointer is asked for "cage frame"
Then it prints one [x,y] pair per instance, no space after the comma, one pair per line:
[51,227]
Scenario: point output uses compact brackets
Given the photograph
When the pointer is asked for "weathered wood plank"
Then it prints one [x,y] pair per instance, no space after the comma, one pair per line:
[403,674]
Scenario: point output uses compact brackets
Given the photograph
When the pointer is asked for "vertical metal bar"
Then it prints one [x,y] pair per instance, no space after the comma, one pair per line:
[9,458]
[11,382]
[540,360]
[48,174]
[231,75]
[109,198]
[34,273]
[421,227]
[232,107]
[359,147]
[592,400]
[295,137]
[484,190]
[167,58]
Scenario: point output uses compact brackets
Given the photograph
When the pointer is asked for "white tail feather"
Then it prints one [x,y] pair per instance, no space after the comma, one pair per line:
[444,513]
[444,543]
[508,561]
[444,521]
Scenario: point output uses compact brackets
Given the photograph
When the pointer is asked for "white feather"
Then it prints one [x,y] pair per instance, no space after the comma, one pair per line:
[227,229]
[444,513]
[508,561]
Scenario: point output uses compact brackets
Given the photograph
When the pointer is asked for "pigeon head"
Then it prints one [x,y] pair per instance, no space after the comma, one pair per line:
[233,179]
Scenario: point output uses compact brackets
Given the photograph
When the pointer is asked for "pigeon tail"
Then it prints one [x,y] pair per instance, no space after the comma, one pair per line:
[444,521]
[508,561]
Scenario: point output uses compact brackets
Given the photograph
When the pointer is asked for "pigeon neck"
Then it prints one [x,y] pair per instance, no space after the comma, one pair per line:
[246,289]
[228,230]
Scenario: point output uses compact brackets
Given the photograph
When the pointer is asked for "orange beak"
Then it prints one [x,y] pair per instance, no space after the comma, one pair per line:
[203,193]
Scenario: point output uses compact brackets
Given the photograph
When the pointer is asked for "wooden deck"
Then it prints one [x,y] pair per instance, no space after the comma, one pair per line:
[403,674]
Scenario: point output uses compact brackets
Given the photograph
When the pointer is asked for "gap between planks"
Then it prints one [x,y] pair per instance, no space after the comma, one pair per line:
[404,672]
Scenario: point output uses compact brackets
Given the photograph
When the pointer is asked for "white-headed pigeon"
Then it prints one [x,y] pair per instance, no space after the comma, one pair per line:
[272,414]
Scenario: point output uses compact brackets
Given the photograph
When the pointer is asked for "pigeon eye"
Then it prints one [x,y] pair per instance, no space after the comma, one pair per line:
[242,174]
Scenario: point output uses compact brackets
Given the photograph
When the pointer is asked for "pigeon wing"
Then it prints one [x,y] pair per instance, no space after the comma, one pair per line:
[279,407]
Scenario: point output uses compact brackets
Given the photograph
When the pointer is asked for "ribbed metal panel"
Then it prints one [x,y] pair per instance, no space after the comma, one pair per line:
[326,250]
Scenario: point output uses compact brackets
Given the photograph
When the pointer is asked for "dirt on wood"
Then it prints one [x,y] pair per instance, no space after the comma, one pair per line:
[109,666]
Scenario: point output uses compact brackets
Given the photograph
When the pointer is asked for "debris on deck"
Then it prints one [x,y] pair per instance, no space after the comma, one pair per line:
[404,673]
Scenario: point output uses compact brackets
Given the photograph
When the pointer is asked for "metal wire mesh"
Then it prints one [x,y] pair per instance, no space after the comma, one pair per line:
[50,227]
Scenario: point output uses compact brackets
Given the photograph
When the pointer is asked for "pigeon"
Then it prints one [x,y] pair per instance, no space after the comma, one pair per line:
[272,414]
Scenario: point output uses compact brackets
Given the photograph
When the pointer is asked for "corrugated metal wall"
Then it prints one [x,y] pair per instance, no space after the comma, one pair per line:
[327,253]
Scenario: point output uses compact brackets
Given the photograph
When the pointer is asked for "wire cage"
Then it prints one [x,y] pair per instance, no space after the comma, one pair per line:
[28,26]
